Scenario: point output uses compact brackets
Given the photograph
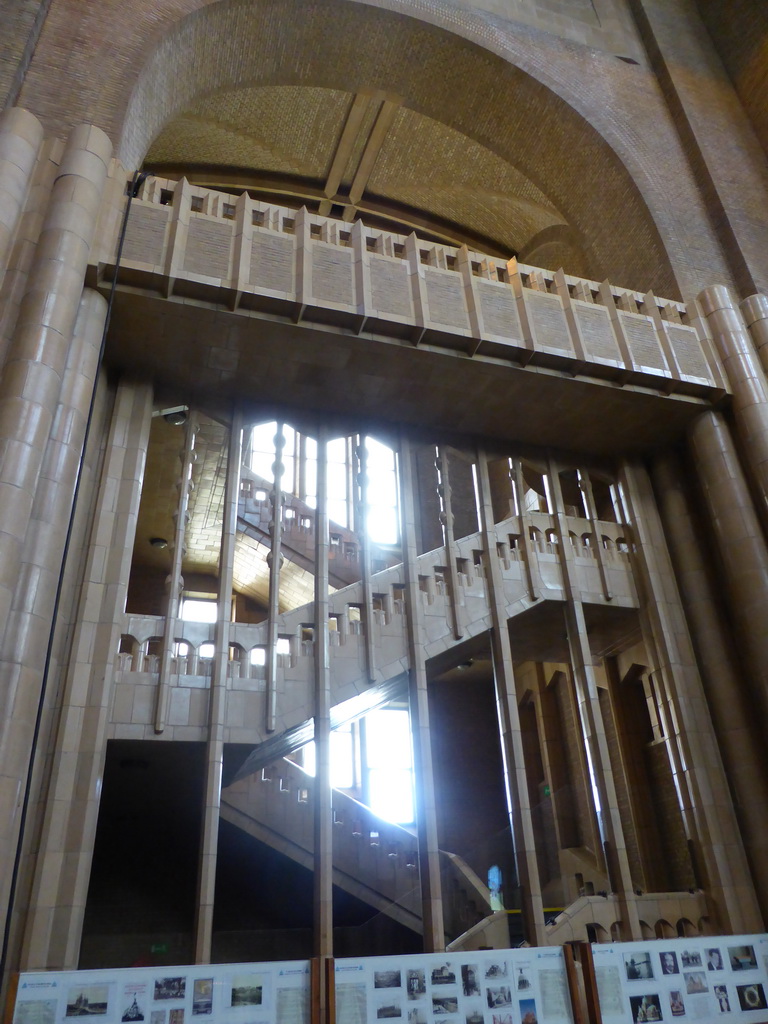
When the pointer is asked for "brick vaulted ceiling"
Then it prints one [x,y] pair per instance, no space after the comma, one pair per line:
[304,141]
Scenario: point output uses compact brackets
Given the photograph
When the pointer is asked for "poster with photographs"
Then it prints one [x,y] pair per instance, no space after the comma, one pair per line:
[271,993]
[512,986]
[704,978]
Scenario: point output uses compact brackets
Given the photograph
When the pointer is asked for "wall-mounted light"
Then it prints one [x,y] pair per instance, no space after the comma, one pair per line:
[158,542]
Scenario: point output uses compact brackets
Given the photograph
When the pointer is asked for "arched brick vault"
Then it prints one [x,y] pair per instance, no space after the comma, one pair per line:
[591,132]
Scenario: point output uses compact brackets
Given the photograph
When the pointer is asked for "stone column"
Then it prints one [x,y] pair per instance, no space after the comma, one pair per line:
[510,731]
[741,545]
[21,136]
[695,759]
[31,379]
[747,379]
[54,925]
[730,704]
[755,313]
[22,252]
[23,659]
[174,582]
[592,726]
[426,811]
[217,707]
[323,792]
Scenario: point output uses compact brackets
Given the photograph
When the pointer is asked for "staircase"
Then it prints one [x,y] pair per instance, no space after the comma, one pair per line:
[373,859]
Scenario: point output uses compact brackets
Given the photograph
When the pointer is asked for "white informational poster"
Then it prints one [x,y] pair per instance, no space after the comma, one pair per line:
[507,986]
[706,978]
[271,993]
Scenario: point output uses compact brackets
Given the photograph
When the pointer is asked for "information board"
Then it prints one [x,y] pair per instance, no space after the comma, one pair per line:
[266,993]
[705,978]
[507,986]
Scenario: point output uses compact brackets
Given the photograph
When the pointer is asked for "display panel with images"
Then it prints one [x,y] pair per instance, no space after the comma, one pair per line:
[271,993]
[515,986]
[699,978]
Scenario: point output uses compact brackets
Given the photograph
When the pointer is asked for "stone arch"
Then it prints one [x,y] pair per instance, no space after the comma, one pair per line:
[523,97]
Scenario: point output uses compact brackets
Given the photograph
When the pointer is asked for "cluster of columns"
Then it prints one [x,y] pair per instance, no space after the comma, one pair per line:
[50,196]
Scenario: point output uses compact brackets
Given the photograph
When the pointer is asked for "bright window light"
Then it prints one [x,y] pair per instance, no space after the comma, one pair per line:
[390,794]
[198,611]
[381,515]
[342,758]
[389,764]
[206,651]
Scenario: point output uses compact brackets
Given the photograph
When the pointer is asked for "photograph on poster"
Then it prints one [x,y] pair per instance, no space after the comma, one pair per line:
[444,975]
[645,1008]
[721,995]
[416,983]
[523,980]
[751,997]
[502,1018]
[247,990]
[445,1004]
[695,981]
[473,1015]
[714,960]
[170,988]
[388,1008]
[528,1011]
[742,958]
[87,1001]
[387,979]
[470,985]
[202,996]
[638,966]
[35,1011]
[690,958]
[676,1004]
[497,969]
[157,1017]
[133,1012]
[176,1016]
[501,996]
[669,962]
[417,1016]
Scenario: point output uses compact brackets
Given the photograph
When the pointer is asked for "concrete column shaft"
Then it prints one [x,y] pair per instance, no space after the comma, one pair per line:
[31,378]
[21,136]
[742,548]
[323,792]
[426,807]
[22,659]
[694,756]
[217,708]
[54,924]
[729,702]
[755,312]
[747,379]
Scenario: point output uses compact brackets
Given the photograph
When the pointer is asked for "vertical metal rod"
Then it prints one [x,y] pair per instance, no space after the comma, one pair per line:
[274,560]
